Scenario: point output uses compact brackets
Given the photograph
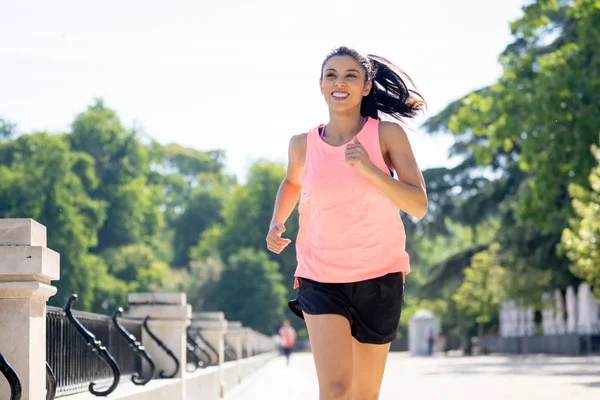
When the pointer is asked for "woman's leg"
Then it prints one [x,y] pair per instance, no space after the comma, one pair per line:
[368,363]
[331,343]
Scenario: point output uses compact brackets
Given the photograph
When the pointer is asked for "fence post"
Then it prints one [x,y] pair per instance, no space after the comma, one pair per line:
[235,335]
[26,268]
[212,325]
[249,341]
[169,318]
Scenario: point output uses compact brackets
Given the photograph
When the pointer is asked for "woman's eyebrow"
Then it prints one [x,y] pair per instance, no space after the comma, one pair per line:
[348,70]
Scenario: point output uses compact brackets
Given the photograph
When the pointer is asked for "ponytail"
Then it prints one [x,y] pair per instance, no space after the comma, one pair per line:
[389,94]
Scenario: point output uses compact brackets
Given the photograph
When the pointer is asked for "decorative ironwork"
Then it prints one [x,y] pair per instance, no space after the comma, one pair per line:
[197,345]
[197,362]
[230,353]
[97,347]
[11,376]
[137,348]
[50,383]
[209,346]
[165,348]
[69,356]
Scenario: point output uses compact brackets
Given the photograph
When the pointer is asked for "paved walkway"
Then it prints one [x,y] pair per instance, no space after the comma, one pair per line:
[443,378]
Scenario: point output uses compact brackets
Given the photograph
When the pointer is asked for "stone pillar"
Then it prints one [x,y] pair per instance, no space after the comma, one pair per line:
[529,321]
[547,315]
[559,313]
[249,342]
[235,336]
[212,327]
[571,311]
[169,318]
[511,320]
[584,311]
[26,268]
[521,318]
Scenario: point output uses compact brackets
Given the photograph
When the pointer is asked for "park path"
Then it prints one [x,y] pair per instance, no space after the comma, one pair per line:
[443,378]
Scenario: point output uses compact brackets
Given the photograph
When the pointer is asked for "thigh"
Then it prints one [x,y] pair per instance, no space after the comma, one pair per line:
[376,308]
[331,344]
[368,365]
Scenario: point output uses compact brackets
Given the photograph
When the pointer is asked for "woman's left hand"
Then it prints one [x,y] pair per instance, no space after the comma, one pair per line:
[357,157]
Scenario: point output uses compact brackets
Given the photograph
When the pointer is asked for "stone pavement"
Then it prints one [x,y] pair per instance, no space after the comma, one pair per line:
[447,378]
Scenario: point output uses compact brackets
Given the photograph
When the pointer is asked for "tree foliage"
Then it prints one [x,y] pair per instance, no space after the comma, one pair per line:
[531,131]
[582,239]
[251,290]
[42,178]
[481,290]
[122,167]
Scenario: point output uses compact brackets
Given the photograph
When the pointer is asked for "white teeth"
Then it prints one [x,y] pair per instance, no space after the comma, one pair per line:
[341,95]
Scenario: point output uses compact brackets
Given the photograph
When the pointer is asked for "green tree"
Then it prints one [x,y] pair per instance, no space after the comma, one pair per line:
[42,178]
[545,105]
[194,187]
[133,268]
[246,216]
[251,290]
[122,168]
[7,129]
[203,210]
[582,239]
[533,129]
[200,282]
[481,290]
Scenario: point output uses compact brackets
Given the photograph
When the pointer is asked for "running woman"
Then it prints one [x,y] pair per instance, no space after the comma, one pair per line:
[351,241]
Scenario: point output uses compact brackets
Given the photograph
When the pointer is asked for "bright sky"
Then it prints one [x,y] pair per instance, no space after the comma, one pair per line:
[238,75]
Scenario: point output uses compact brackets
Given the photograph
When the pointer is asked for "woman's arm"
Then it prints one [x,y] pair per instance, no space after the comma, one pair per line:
[287,195]
[408,193]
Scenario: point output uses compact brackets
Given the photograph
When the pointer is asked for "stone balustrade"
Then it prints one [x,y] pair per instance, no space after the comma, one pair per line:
[27,268]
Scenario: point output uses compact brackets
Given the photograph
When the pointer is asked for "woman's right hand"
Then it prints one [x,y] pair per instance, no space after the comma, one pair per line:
[275,242]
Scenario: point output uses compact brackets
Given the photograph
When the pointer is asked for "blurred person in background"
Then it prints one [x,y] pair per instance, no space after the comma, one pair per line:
[288,337]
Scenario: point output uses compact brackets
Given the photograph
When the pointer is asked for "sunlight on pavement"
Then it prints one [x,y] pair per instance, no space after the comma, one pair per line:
[447,378]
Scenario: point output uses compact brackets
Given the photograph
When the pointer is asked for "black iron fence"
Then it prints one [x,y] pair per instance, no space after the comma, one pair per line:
[13,379]
[86,351]
[75,363]
[201,353]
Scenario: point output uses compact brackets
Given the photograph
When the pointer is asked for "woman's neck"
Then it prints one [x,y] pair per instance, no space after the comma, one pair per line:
[343,127]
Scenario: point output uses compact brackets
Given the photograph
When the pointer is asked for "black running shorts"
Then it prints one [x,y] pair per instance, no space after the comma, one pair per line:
[372,307]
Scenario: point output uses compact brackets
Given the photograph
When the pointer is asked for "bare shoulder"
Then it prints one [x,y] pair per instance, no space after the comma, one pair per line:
[299,140]
[393,134]
[393,137]
[297,149]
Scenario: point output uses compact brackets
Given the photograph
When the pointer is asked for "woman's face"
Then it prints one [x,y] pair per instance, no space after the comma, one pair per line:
[343,84]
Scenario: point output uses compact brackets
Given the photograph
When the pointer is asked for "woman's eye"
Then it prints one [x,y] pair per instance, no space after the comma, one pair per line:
[351,76]
[330,75]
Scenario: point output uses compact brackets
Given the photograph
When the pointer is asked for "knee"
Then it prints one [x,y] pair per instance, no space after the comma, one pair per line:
[365,395]
[338,390]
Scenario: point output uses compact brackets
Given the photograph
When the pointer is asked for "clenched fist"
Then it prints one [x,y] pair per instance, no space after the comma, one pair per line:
[357,157]
[275,242]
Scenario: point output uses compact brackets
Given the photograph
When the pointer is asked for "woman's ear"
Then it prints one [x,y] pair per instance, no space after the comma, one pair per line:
[321,85]
[368,87]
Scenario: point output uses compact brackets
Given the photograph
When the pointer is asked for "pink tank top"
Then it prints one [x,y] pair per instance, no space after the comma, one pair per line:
[349,230]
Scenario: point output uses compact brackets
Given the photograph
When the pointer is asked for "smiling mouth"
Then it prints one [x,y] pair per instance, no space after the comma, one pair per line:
[340,95]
